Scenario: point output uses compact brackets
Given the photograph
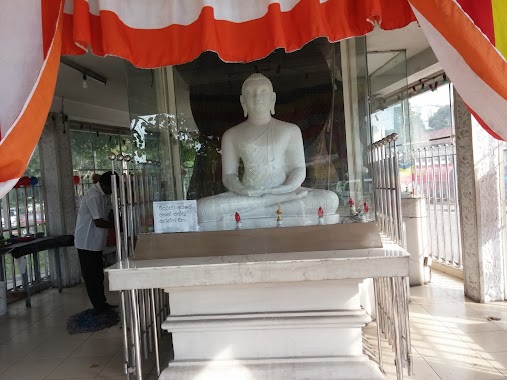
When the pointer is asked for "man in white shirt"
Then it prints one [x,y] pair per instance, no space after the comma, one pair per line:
[93,220]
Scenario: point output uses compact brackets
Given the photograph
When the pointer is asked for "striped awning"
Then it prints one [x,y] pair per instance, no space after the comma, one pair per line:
[155,33]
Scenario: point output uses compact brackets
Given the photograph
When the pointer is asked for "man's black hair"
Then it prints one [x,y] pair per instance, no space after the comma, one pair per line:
[105,179]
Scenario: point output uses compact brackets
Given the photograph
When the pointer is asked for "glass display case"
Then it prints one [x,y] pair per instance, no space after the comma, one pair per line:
[282,141]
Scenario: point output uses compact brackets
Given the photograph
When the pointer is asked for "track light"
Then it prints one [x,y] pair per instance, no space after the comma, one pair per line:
[85,83]
[87,73]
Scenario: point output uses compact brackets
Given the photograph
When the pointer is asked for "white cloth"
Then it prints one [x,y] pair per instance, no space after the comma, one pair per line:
[95,204]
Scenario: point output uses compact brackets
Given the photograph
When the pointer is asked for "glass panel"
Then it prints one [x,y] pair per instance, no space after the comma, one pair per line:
[82,150]
[312,154]
[431,116]
[390,110]
[91,147]
[389,99]
[356,185]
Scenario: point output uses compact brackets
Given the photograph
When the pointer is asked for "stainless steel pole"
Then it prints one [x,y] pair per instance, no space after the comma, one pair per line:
[379,334]
[434,197]
[456,204]
[441,199]
[428,199]
[116,211]
[448,197]
[399,363]
[34,210]
[137,340]
[18,219]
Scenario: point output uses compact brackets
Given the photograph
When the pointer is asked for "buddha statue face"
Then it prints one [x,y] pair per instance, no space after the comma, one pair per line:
[257,96]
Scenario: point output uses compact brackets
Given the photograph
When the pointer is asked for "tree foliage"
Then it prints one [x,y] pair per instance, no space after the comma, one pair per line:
[441,119]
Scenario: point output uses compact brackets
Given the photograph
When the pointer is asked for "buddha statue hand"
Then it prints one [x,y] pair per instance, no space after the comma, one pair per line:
[252,192]
[283,189]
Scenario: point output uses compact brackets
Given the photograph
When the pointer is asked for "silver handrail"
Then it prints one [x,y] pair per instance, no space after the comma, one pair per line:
[142,311]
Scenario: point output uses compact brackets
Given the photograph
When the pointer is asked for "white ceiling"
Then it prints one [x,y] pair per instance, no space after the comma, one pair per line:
[113,95]
[411,39]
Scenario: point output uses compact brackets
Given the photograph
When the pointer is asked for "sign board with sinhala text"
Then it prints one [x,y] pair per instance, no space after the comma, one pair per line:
[175,216]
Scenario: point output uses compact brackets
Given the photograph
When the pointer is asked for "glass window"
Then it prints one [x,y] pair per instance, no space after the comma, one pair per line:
[431,116]
[218,144]
[91,146]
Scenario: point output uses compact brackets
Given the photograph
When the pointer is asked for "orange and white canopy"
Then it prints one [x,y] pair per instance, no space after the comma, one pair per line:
[155,33]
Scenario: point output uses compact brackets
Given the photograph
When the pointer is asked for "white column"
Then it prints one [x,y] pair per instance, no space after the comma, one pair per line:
[482,207]
[57,181]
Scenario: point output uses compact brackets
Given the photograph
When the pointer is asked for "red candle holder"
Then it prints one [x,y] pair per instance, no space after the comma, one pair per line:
[321,216]
[239,225]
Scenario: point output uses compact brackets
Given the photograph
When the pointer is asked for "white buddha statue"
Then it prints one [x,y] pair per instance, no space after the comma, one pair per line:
[274,167]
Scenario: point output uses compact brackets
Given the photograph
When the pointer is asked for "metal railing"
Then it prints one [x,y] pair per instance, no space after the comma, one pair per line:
[435,178]
[386,188]
[391,302]
[143,310]
[391,294]
[22,213]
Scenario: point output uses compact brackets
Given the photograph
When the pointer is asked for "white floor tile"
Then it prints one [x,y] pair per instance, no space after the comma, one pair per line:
[83,367]
[463,367]
[99,347]
[497,360]
[30,369]
[489,341]
[451,338]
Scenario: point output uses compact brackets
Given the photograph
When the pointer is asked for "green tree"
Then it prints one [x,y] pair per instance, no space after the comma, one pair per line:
[416,124]
[441,119]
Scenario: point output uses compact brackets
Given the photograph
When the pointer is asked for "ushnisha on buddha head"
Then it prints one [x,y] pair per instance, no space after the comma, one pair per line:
[257,97]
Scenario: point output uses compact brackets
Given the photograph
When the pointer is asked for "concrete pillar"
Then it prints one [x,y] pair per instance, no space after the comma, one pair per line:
[482,207]
[57,174]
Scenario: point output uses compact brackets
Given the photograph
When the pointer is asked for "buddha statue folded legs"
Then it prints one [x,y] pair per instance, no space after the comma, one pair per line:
[273,159]
[301,203]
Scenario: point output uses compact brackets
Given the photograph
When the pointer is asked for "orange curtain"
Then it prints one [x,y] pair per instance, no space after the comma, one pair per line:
[468,40]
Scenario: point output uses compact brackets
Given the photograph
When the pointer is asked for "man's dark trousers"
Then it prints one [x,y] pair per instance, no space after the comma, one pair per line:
[93,276]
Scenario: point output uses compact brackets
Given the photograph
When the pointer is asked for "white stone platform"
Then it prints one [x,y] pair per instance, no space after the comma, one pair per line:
[294,315]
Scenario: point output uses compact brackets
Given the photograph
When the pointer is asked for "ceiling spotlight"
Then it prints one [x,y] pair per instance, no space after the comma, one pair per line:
[87,73]
[85,83]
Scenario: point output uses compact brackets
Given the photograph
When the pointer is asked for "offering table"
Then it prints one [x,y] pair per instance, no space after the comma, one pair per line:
[270,310]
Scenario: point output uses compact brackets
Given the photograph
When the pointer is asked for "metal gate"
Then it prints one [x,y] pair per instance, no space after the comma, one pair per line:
[435,178]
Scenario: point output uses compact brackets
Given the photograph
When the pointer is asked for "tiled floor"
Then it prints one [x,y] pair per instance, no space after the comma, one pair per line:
[451,336]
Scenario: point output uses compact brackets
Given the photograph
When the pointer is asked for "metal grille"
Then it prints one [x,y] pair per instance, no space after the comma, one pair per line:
[391,294]
[22,213]
[386,186]
[391,302]
[435,178]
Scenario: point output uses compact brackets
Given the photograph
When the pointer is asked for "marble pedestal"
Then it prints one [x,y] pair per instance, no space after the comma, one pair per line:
[300,330]
[264,316]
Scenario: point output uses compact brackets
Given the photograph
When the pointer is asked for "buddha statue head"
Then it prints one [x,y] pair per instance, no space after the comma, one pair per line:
[257,97]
